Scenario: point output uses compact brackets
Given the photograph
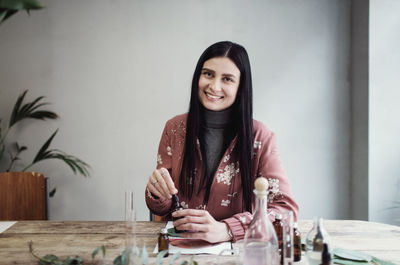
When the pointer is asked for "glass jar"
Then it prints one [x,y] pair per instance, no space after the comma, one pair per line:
[260,241]
[315,240]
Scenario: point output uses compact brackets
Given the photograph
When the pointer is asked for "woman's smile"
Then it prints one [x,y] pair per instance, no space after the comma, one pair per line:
[218,83]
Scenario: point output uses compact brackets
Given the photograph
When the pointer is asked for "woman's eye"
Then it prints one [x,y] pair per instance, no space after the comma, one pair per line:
[208,74]
[228,79]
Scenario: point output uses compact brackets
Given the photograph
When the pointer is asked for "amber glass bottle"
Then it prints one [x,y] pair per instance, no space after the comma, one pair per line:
[163,241]
[278,226]
[176,206]
[296,243]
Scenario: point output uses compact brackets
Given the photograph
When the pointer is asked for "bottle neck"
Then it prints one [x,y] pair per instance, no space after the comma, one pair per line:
[261,203]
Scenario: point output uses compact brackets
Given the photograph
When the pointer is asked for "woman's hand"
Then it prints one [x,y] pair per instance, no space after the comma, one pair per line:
[202,226]
[161,184]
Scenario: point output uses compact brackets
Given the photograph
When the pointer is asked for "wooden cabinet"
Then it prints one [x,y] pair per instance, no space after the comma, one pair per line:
[23,196]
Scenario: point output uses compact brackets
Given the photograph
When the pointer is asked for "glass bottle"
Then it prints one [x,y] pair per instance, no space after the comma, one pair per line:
[296,243]
[176,206]
[260,242]
[315,240]
[278,226]
[326,258]
[163,241]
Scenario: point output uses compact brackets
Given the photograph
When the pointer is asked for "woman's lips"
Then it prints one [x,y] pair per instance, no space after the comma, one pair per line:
[212,97]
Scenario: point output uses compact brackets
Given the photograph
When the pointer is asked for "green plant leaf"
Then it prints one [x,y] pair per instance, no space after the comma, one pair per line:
[95,252]
[29,110]
[20,4]
[350,262]
[52,192]
[161,255]
[176,256]
[185,262]
[145,255]
[72,261]
[5,14]
[42,152]
[15,110]
[381,262]
[351,255]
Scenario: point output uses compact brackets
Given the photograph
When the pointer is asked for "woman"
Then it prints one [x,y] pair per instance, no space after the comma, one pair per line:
[211,156]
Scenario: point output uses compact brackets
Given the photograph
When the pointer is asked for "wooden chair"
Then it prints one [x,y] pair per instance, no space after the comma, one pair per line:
[23,196]
[154,217]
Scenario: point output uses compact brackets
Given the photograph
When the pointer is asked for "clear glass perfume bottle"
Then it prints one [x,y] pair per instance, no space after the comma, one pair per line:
[315,240]
[260,241]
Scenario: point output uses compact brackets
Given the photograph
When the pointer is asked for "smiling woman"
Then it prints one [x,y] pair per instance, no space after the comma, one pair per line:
[211,156]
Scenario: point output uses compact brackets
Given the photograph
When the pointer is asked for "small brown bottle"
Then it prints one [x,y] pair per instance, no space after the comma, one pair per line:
[296,243]
[176,206]
[163,241]
[326,258]
[278,226]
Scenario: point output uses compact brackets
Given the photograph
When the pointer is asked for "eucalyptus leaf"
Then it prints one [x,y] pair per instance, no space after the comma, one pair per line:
[137,251]
[185,262]
[117,260]
[161,255]
[381,262]
[176,256]
[351,255]
[72,261]
[95,252]
[145,255]
[350,262]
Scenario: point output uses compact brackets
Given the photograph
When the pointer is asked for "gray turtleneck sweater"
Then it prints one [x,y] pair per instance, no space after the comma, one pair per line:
[216,133]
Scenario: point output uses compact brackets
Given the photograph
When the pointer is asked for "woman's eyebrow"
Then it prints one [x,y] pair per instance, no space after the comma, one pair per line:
[230,75]
[206,69]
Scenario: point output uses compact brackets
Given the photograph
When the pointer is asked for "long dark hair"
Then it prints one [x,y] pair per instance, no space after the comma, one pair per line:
[243,112]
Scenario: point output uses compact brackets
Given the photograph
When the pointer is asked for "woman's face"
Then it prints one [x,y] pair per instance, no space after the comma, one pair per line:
[218,83]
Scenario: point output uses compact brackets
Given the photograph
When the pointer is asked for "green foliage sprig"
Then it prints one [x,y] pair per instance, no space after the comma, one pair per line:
[35,110]
[122,259]
[10,7]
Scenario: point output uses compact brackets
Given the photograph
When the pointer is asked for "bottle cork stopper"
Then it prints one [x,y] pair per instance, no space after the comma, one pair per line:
[261,184]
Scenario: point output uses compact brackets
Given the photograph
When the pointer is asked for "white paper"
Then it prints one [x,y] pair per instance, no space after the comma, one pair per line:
[212,249]
[5,225]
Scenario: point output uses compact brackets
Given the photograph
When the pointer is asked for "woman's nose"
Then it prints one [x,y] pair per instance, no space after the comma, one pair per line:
[215,85]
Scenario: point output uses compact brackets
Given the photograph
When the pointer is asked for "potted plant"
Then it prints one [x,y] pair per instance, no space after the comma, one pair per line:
[23,195]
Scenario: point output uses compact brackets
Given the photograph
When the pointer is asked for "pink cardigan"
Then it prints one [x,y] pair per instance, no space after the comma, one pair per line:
[225,201]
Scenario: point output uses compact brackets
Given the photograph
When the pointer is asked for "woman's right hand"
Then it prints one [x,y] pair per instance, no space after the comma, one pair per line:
[161,184]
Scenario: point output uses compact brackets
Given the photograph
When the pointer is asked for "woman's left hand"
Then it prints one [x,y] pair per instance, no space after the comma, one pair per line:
[202,226]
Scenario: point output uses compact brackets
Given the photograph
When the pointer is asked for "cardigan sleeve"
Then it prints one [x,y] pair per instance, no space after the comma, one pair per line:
[164,159]
[280,197]
[269,165]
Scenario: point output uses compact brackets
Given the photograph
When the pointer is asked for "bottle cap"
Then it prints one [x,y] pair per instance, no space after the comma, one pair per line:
[164,231]
[261,184]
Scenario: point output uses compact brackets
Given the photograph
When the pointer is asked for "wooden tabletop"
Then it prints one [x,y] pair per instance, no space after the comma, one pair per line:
[81,238]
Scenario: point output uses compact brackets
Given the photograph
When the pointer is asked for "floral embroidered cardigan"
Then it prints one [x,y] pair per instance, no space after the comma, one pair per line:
[225,202]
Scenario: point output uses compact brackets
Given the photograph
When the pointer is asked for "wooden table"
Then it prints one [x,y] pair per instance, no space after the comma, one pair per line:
[81,238]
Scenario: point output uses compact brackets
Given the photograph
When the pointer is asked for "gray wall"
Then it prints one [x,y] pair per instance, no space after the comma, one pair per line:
[116,70]
[384,125]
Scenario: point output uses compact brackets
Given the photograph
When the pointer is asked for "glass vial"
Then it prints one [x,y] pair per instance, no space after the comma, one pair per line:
[260,242]
[296,243]
[278,227]
[176,206]
[315,240]
[163,241]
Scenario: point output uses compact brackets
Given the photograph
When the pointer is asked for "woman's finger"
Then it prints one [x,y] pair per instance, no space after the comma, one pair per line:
[192,212]
[161,185]
[168,180]
[153,190]
[191,219]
